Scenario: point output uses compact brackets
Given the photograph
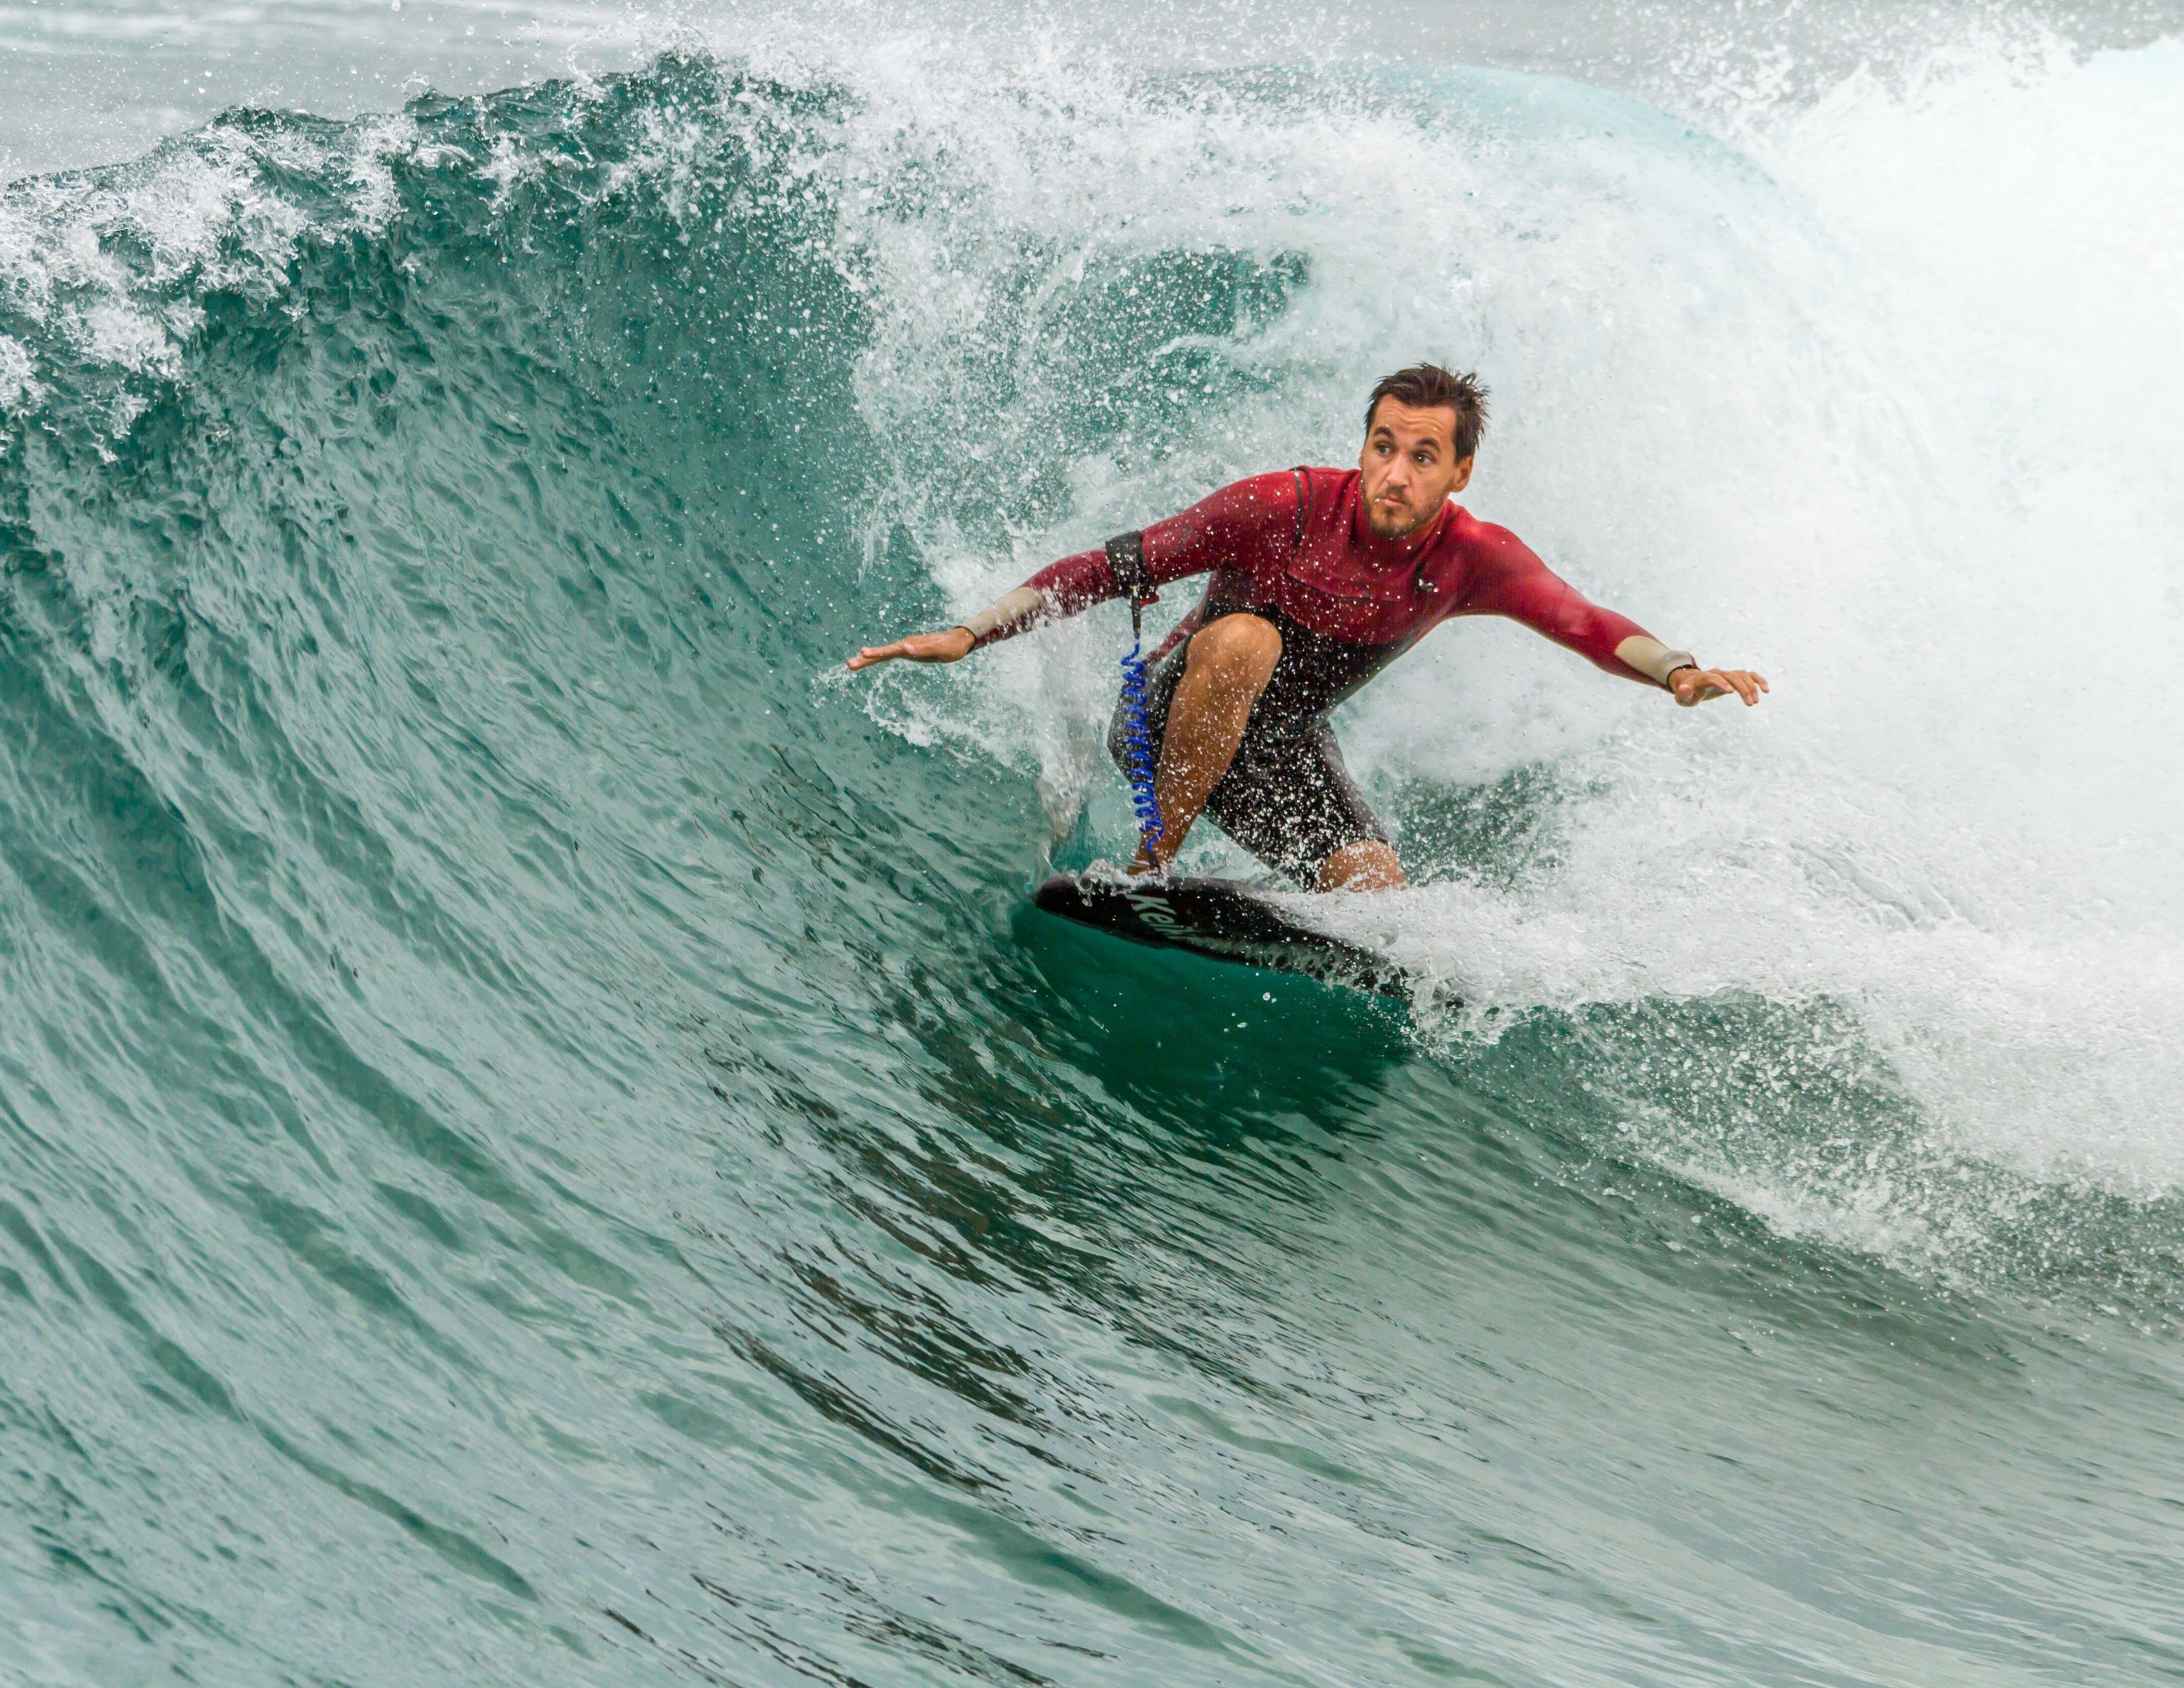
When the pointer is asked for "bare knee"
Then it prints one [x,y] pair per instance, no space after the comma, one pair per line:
[1240,649]
[1366,864]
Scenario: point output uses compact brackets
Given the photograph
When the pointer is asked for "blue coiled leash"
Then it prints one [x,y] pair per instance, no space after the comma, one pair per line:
[1137,746]
[1126,556]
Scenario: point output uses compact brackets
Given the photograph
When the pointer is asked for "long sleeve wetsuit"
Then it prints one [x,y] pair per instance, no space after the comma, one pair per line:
[1294,548]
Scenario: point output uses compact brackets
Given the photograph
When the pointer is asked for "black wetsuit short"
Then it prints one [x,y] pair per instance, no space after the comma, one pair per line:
[1286,798]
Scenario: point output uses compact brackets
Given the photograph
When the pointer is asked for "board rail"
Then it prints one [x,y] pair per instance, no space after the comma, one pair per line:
[1220,920]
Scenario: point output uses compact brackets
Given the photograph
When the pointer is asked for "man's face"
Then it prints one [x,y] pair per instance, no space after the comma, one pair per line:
[1410,466]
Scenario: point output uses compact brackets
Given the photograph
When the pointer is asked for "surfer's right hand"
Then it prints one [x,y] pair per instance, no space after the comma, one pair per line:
[952,646]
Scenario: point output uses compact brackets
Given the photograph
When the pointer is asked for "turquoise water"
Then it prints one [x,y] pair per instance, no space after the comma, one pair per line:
[543,1142]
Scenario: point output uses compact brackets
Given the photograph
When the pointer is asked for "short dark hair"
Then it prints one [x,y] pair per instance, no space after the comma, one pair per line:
[1427,387]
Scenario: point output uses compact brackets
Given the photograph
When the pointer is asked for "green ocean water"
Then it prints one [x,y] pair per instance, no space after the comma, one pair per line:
[544,1144]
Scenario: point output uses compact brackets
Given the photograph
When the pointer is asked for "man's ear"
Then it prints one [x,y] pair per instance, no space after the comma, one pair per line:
[1462,476]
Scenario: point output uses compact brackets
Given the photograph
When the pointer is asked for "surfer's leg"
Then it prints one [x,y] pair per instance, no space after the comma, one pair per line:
[1368,865]
[1229,663]
[1289,800]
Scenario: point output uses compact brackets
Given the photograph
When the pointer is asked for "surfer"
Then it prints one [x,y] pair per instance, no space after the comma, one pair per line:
[1321,578]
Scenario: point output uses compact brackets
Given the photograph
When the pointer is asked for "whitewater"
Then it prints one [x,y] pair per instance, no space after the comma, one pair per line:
[542,1141]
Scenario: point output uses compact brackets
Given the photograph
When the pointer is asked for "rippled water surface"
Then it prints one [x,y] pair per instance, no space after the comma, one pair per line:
[543,1142]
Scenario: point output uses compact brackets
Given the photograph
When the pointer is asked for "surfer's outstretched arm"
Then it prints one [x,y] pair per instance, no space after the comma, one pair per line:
[1227,529]
[1516,583]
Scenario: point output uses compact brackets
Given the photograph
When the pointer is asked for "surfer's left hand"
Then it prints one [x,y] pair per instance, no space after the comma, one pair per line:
[952,646]
[1694,686]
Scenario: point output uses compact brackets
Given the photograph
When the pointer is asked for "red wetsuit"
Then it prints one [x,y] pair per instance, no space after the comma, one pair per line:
[1294,548]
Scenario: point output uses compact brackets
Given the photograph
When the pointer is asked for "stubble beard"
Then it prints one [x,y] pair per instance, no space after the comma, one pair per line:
[1389,526]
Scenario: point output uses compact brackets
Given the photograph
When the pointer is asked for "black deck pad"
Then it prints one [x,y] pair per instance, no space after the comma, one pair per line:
[1218,919]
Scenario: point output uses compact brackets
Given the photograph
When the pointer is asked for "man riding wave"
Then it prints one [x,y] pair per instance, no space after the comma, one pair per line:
[1321,577]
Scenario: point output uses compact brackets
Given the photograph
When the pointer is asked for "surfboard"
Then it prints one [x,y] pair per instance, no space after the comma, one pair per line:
[1220,920]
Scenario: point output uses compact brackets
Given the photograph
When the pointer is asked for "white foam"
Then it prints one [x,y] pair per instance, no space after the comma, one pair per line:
[202,219]
[19,382]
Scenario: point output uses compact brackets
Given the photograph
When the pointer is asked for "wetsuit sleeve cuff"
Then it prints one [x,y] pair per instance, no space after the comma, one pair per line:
[1010,613]
[1643,654]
